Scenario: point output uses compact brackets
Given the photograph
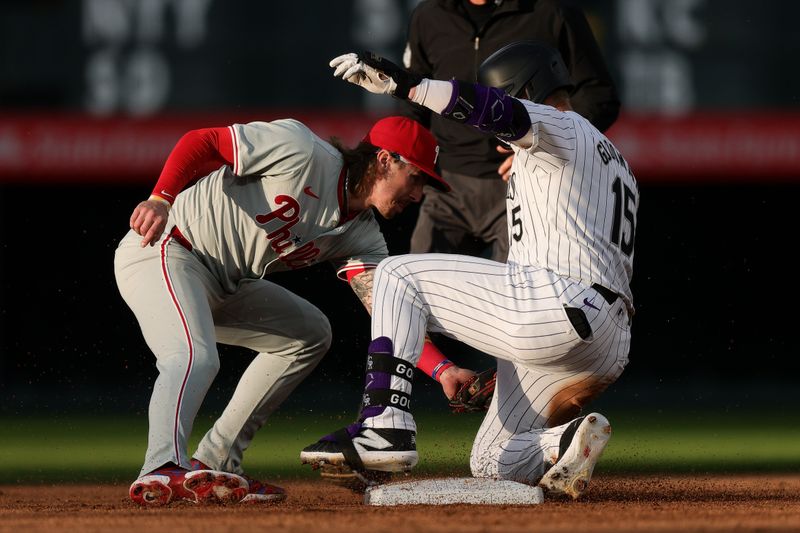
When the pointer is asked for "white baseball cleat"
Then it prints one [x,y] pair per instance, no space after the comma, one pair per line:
[581,446]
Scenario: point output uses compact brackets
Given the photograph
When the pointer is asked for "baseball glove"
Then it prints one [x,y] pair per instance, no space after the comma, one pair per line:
[375,74]
[476,393]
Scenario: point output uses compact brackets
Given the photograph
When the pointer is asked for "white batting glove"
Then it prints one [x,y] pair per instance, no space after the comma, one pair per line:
[350,68]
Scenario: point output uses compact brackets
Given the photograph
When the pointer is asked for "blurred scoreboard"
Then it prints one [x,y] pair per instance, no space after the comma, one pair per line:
[140,57]
[708,87]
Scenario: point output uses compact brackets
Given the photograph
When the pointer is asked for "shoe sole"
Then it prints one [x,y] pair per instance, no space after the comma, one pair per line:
[151,491]
[572,472]
[380,461]
[199,486]
[263,498]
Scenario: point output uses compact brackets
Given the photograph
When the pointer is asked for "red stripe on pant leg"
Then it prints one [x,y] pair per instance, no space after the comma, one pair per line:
[171,290]
[234,141]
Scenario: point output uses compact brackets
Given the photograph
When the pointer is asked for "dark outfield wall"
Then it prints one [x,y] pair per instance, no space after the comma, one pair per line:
[713,285]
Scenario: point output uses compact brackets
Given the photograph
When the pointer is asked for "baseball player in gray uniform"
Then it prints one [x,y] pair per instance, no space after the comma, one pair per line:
[233,204]
[557,315]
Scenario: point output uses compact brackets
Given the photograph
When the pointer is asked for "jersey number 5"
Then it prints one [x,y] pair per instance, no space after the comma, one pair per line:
[624,205]
[516,223]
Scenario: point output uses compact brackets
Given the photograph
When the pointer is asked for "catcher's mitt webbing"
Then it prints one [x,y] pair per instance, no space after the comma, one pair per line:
[386,398]
[345,443]
[383,362]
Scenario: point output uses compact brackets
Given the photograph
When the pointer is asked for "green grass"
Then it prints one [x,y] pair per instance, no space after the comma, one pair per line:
[110,449]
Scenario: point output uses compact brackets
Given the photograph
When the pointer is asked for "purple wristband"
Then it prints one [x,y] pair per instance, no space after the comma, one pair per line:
[489,109]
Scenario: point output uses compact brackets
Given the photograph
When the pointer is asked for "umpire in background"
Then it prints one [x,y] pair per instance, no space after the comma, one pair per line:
[449,39]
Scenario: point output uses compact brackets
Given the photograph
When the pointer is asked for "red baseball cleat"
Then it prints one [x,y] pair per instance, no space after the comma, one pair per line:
[260,492]
[171,484]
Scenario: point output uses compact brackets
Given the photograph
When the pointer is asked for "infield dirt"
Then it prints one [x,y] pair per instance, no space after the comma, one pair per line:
[649,503]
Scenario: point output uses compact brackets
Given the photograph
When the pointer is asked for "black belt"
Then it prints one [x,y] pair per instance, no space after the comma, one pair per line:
[607,294]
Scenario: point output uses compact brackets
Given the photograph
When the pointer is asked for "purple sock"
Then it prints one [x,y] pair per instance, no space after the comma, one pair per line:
[378,380]
[374,380]
[381,345]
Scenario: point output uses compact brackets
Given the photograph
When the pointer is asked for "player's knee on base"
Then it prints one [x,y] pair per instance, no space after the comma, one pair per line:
[482,462]
[488,462]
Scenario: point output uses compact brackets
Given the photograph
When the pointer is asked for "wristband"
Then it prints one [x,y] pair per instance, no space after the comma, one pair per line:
[443,365]
[429,358]
[157,198]
[433,94]
[489,109]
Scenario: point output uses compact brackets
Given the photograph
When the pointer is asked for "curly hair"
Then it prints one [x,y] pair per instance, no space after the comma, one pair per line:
[362,166]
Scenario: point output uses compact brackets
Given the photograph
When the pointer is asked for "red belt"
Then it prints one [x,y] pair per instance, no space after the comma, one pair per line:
[176,234]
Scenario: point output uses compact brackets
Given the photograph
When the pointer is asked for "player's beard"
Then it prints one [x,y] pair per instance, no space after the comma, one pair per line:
[378,177]
[390,211]
[364,186]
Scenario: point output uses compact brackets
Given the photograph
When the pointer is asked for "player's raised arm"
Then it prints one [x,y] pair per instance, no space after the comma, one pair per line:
[489,109]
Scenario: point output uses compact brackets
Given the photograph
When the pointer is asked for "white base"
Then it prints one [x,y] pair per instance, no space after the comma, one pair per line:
[446,491]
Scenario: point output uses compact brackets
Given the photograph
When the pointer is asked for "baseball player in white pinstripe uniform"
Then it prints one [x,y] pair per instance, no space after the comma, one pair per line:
[556,316]
[270,197]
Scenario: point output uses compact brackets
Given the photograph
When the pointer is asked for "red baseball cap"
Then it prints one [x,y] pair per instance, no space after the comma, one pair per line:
[410,140]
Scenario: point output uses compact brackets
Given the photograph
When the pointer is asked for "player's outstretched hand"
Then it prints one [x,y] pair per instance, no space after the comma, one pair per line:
[149,220]
[375,74]
[350,68]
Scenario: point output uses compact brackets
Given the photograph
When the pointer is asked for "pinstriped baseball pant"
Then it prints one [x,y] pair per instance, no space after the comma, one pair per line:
[546,371]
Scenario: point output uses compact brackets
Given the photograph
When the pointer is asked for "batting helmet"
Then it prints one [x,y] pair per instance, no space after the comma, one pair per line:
[525,66]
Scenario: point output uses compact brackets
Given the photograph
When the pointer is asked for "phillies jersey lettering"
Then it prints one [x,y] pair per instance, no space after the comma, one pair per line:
[282,238]
[288,211]
[264,219]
